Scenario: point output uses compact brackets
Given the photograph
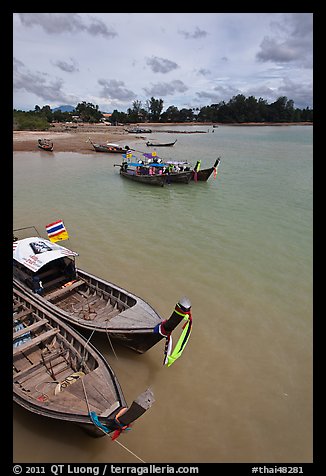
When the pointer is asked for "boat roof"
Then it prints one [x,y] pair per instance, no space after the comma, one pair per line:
[114,145]
[35,252]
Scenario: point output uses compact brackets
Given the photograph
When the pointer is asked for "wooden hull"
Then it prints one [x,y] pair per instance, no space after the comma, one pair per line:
[110,150]
[92,303]
[48,146]
[179,177]
[203,175]
[56,372]
[169,144]
[157,180]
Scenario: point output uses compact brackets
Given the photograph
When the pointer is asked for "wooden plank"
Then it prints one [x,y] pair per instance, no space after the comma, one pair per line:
[30,328]
[21,314]
[36,340]
[64,290]
[26,371]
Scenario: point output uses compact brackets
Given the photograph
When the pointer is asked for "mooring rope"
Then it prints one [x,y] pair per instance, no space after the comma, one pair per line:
[109,339]
[107,434]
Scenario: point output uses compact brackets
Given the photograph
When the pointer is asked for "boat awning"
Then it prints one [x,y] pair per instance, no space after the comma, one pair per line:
[35,252]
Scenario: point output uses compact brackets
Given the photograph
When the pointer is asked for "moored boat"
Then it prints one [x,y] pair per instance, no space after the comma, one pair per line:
[139,130]
[139,172]
[58,374]
[47,273]
[45,144]
[160,144]
[109,147]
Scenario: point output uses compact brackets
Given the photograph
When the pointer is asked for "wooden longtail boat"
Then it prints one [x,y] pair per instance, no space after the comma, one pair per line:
[46,272]
[45,144]
[204,174]
[168,144]
[60,375]
[138,172]
[109,147]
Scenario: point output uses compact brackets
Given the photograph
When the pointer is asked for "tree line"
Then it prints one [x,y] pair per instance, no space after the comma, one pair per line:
[239,109]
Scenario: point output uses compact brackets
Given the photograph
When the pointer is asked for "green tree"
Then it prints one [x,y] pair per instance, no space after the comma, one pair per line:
[88,112]
[155,108]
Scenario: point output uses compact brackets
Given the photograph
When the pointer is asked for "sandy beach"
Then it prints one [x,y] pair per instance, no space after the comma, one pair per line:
[67,138]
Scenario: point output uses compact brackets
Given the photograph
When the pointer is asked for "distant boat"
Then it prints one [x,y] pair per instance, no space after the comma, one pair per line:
[46,272]
[45,144]
[109,147]
[153,144]
[139,130]
[58,374]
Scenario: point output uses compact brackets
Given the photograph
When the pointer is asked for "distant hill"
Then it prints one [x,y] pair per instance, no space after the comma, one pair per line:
[64,108]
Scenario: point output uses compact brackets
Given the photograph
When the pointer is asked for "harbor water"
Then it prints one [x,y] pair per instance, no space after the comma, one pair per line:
[239,247]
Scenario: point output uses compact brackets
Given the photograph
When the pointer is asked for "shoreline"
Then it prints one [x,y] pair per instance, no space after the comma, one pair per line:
[75,139]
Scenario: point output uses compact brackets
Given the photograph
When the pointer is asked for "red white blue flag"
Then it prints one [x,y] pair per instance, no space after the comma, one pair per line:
[56,231]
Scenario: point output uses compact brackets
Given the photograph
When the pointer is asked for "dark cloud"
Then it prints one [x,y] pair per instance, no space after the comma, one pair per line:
[204,72]
[67,67]
[113,89]
[161,65]
[292,41]
[54,23]
[166,89]
[39,84]
[218,93]
[198,33]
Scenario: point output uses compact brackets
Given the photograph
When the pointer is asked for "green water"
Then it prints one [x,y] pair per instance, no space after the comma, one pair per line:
[240,247]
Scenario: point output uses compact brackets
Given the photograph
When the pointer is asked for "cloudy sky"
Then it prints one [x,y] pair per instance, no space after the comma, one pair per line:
[187,59]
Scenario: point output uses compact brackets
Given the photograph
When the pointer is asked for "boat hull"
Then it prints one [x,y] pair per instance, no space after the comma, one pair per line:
[156,180]
[91,303]
[179,177]
[58,374]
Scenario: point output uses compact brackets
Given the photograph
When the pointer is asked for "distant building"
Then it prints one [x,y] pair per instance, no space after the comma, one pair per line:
[106,118]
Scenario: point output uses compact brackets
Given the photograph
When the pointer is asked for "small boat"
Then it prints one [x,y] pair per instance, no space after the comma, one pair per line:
[46,272]
[204,174]
[58,374]
[153,144]
[138,130]
[142,173]
[45,144]
[109,147]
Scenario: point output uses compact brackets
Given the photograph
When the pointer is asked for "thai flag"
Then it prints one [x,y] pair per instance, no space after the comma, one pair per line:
[56,231]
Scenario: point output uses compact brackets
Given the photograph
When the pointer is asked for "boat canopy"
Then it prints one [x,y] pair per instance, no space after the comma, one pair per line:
[138,164]
[35,252]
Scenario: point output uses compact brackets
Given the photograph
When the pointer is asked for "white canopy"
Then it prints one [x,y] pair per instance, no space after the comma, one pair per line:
[35,252]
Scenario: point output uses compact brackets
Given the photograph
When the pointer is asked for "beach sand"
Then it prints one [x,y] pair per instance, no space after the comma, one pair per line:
[68,139]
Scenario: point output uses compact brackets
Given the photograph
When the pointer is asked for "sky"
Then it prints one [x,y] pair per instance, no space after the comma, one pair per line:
[189,60]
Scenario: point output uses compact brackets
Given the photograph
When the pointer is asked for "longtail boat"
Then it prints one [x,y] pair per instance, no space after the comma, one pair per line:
[45,144]
[109,147]
[59,375]
[160,144]
[47,273]
[141,173]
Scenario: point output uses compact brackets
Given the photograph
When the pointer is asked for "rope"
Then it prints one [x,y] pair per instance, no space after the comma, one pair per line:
[106,434]
[107,334]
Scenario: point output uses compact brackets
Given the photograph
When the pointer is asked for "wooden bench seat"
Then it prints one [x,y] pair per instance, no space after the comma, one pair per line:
[35,341]
[32,327]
